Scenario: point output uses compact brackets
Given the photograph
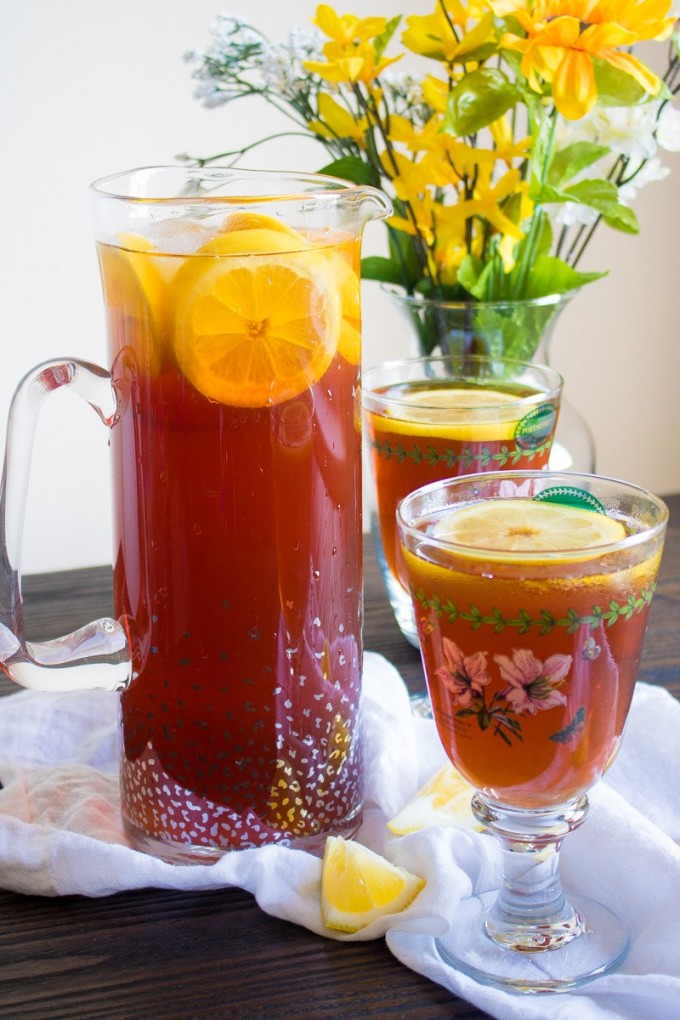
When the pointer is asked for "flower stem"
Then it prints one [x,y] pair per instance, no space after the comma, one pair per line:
[537,220]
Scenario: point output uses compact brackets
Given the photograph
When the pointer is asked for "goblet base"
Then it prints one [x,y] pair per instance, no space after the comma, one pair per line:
[596,946]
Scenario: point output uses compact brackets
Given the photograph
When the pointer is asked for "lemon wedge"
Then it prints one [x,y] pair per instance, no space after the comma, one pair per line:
[443,800]
[358,886]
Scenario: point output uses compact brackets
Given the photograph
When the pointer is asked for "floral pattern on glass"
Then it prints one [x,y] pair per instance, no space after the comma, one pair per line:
[532,686]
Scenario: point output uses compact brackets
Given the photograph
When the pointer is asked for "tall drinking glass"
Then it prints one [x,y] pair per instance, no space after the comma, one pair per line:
[231,394]
[438,417]
[532,591]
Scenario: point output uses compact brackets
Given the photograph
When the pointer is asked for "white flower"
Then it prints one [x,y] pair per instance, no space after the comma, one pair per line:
[569,131]
[306,44]
[228,30]
[282,66]
[274,65]
[652,171]
[626,129]
[572,214]
[668,129]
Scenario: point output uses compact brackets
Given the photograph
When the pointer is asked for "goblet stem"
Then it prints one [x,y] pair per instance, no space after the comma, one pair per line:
[531,913]
[528,937]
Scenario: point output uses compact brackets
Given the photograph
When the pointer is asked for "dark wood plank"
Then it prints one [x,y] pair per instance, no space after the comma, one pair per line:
[159,955]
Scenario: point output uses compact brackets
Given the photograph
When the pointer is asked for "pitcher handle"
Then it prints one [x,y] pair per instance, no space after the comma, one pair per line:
[97,656]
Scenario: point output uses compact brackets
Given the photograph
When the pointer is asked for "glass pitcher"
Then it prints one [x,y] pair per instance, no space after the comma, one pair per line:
[232,399]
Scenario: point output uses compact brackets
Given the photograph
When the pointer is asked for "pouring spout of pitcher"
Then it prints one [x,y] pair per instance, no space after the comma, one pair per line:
[375,205]
[363,204]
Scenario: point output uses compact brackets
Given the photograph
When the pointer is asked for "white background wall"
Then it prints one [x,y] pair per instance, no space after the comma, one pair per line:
[90,87]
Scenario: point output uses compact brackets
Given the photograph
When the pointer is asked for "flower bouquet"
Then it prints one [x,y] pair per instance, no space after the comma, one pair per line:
[535,125]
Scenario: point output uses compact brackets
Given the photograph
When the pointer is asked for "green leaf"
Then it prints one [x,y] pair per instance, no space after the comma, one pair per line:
[542,128]
[615,87]
[550,275]
[543,194]
[381,42]
[568,162]
[541,243]
[469,273]
[477,55]
[374,267]
[594,193]
[604,197]
[622,217]
[403,253]
[600,195]
[354,169]
[480,98]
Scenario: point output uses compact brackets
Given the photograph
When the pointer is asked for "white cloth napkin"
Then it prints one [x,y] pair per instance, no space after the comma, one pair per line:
[60,833]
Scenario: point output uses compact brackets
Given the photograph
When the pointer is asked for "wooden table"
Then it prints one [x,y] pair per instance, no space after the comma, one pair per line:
[157,955]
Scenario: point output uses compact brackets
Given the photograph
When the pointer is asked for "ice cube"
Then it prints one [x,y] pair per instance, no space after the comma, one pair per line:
[179,236]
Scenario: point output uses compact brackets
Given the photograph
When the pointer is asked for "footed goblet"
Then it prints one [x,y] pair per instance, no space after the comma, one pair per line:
[531,593]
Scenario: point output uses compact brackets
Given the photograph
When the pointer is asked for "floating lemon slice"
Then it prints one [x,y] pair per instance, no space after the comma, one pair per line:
[441,412]
[358,886]
[455,397]
[254,330]
[524,526]
[443,800]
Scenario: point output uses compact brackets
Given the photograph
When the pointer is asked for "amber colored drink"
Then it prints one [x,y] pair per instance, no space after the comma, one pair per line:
[237,541]
[421,431]
[531,665]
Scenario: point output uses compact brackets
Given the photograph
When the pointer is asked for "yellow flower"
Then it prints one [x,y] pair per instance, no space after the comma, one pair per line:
[338,122]
[447,158]
[486,203]
[505,147]
[436,93]
[454,243]
[564,37]
[453,31]
[349,64]
[350,54]
[410,178]
[347,29]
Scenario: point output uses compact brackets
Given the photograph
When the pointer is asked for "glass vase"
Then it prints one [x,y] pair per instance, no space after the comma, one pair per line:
[522,330]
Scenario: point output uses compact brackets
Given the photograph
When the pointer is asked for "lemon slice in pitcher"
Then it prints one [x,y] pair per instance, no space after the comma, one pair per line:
[254,330]
[358,886]
[135,294]
[525,526]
